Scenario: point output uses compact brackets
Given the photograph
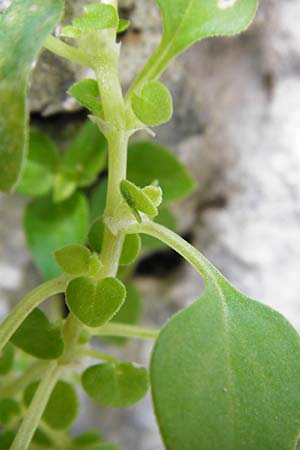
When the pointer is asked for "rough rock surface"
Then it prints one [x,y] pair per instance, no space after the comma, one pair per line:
[236,125]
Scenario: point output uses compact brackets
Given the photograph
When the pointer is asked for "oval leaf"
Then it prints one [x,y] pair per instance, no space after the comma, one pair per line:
[38,337]
[117,386]
[148,161]
[95,303]
[225,374]
[131,249]
[62,406]
[24,26]
[49,226]
[154,105]
[73,259]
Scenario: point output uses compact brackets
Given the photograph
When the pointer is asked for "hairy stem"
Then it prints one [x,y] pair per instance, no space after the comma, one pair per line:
[123,330]
[19,313]
[36,408]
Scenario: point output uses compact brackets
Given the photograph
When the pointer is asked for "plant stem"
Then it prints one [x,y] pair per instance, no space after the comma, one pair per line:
[36,408]
[14,387]
[123,330]
[89,352]
[19,313]
[66,51]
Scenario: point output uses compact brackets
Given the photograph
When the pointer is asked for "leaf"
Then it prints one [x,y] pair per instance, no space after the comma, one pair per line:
[97,17]
[87,439]
[154,105]
[49,226]
[6,359]
[24,27]
[124,24]
[85,158]
[154,193]
[117,386]
[64,187]
[225,374]
[39,337]
[137,200]
[40,166]
[87,93]
[151,244]
[129,313]
[188,21]
[6,439]
[148,161]
[41,439]
[96,234]
[95,303]
[73,259]
[9,408]
[62,406]
[98,199]
[131,249]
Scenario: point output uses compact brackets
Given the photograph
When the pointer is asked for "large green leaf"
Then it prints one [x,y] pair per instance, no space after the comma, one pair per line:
[148,161]
[225,374]
[49,226]
[23,28]
[187,21]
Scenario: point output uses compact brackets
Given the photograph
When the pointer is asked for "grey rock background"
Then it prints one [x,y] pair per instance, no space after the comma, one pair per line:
[237,127]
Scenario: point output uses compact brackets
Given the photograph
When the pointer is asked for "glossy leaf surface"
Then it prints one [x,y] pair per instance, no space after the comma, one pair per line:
[118,386]
[39,337]
[188,21]
[40,166]
[62,406]
[95,303]
[153,106]
[73,259]
[225,374]
[24,27]
[148,161]
[49,226]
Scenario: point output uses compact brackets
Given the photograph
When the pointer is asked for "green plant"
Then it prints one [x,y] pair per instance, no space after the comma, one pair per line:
[225,372]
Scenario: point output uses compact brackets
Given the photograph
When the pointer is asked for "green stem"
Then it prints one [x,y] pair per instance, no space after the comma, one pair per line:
[16,386]
[19,313]
[66,51]
[123,330]
[36,408]
[71,331]
[91,353]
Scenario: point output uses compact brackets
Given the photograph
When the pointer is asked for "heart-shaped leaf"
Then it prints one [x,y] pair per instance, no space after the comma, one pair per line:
[95,303]
[40,166]
[154,105]
[73,259]
[87,93]
[9,408]
[62,406]
[6,359]
[118,386]
[49,226]
[131,249]
[137,200]
[38,337]
[225,374]
[24,26]
[148,161]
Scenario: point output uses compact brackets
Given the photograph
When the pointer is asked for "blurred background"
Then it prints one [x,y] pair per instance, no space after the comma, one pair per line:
[237,128]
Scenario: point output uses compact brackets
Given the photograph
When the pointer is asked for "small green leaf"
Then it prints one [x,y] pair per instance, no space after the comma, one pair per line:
[98,199]
[225,374]
[70,32]
[130,313]
[123,25]
[6,439]
[95,303]
[86,440]
[73,259]
[97,17]
[117,386]
[41,439]
[6,359]
[151,244]
[87,93]
[96,234]
[137,200]
[85,158]
[40,165]
[9,408]
[38,337]
[131,249]
[24,26]
[64,187]
[153,106]
[49,226]
[148,161]
[154,193]
[62,406]
[188,21]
